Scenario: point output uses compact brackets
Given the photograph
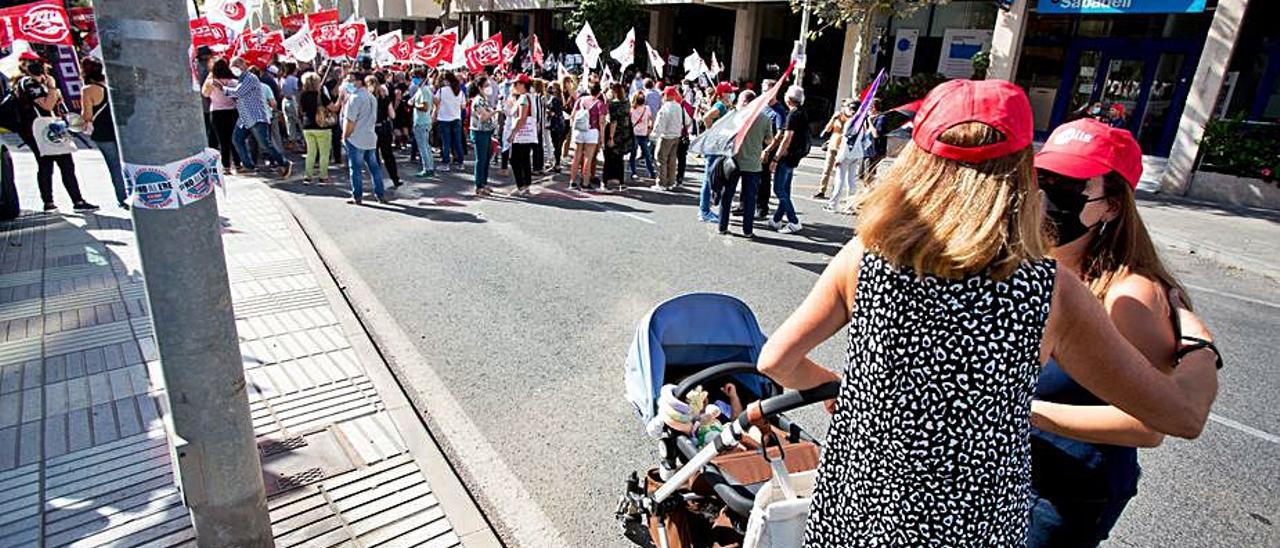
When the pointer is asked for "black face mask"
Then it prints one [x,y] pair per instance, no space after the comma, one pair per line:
[36,69]
[1064,200]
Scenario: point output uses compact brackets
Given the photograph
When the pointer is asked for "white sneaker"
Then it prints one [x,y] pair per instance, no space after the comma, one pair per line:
[791,228]
[774,225]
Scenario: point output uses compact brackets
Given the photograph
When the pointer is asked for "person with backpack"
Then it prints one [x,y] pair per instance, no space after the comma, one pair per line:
[588,117]
[748,161]
[793,148]
[45,133]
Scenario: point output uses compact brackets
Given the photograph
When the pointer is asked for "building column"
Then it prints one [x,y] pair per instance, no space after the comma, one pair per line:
[851,35]
[1006,41]
[746,43]
[662,28]
[393,10]
[856,62]
[1205,88]
[345,8]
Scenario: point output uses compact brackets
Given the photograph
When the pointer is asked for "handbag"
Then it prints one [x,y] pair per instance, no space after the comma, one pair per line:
[51,136]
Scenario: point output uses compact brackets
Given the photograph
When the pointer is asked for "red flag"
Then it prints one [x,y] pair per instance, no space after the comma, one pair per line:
[485,54]
[322,18]
[292,23]
[44,22]
[537,51]
[403,50]
[436,49]
[204,33]
[509,52]
[82,19]
[257,47]
[340,40]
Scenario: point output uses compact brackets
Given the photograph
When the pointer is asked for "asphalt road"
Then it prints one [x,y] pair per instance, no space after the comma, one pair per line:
[526,307]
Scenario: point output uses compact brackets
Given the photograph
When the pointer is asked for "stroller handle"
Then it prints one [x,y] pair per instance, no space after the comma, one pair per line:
[730,437]
[722,370]
[791,399]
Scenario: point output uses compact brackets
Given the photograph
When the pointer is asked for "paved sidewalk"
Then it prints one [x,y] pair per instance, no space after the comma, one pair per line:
[83,455]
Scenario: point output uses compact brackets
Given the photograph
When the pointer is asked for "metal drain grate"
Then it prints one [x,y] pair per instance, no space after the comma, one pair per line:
[295,481]
[269,448]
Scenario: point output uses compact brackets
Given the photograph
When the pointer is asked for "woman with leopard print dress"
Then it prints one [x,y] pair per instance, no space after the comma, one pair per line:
[953,307]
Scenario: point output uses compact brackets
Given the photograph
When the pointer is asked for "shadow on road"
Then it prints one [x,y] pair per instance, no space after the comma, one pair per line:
[394,206]
[1165,201]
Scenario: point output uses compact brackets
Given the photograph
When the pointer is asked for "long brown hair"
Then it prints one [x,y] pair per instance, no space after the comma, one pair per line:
[951,219]
[1122,245]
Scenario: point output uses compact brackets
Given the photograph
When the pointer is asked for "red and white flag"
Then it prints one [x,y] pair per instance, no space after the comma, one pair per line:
[212,35]
[656,62]
[757,105]
[536,51]
[625,54]
[340,41]
[322,18]
[382,46]
[232,13]
[44,22]
[402,51]
[485,54]
[293,23]
[509,52]
[436,49]
[694,66]
[588,45]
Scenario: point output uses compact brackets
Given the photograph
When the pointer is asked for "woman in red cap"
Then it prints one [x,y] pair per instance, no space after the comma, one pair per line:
[1083,458]
[953,305]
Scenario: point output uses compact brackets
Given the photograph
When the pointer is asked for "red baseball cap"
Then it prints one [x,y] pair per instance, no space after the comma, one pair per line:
[523,79]
[29,56]
[997,103]
[725,87]
[1087,148]
[672,93]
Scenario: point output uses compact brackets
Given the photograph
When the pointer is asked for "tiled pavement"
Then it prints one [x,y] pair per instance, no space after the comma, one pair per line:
[83,455]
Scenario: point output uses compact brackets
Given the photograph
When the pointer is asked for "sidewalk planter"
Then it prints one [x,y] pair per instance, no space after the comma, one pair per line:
[1235,190]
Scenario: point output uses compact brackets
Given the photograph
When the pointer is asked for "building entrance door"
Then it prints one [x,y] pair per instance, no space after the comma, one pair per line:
[1147,78]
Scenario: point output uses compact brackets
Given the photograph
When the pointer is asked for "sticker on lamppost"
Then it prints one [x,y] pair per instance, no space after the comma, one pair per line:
[174,184]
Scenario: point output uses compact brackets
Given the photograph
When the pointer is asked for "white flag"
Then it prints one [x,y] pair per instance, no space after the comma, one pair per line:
[588,45]
[382,47]
[300,46]
[234,14]
[460,51]
[656,63]
[625,54]
[715,68]
[607,80]
[694,66]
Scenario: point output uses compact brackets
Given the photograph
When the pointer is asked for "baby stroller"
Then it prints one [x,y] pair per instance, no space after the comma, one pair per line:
[704,495]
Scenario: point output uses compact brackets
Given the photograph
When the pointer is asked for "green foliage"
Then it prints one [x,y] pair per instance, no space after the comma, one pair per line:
[610,19]
[837,13]
[901,92]
[1241,148]
[981,62]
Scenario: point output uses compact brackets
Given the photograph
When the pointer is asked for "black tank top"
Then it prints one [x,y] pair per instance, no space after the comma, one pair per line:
[104,128]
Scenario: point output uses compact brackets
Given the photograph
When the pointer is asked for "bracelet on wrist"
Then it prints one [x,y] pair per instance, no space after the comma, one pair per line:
[1197,343]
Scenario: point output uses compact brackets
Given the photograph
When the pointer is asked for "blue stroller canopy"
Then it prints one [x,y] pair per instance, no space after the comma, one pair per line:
[687,334]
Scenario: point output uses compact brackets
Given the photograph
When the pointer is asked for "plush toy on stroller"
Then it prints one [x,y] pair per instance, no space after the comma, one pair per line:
[733,470]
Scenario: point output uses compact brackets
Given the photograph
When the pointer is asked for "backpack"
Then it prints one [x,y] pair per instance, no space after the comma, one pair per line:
[582,118]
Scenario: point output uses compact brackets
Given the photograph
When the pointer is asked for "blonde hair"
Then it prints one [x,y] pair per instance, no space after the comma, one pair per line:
[951,219]
[311,81]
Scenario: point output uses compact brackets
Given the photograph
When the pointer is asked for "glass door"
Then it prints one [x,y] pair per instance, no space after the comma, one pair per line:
[1121,91]
[1084,84]
[1164,90]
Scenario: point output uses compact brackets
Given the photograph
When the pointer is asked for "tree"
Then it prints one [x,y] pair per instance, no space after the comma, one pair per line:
[837,13]
[610,19]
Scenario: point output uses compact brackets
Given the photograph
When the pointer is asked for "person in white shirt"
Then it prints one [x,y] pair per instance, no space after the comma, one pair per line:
[448,117]
[670,124]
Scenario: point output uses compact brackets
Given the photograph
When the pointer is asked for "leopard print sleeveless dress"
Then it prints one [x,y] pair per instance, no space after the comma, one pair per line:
[928,445]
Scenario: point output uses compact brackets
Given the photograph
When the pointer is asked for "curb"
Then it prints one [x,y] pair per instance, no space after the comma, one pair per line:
[465,517]
[456,453]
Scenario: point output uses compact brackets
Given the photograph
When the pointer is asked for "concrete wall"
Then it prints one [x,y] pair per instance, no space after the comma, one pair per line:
[1006,41]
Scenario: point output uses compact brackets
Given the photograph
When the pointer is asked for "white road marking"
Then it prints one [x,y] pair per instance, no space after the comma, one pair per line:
[1260,434]
[1234,296]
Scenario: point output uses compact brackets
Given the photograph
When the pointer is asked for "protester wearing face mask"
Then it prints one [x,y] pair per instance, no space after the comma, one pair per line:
[1083,458]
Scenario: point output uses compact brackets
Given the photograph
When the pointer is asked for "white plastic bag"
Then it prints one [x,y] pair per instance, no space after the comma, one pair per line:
[778,521]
